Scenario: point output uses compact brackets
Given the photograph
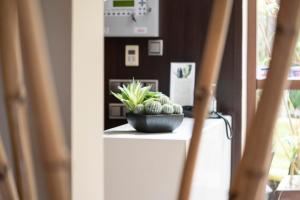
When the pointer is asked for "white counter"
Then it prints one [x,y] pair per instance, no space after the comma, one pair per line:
[141,166]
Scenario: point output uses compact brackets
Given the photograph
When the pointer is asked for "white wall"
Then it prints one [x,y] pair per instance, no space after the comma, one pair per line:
[87,99]
[75,40]
[244,71]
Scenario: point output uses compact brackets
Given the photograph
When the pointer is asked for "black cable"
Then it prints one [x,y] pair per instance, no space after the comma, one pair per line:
[216,115]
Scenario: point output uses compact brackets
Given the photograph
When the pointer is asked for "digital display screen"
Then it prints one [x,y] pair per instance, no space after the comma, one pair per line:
[131,52]
[123,3]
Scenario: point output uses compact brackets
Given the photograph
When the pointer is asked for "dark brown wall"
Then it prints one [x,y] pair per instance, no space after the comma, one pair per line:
[229,94]
[183,26]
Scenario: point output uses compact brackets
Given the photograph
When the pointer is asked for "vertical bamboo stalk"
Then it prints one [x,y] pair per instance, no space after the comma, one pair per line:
[14,92]
[50,135]
[253,168]
[208,73]
[8,190]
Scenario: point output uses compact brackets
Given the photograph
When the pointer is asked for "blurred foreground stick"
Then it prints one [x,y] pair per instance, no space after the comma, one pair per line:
[250,179]
[50,135]
[208,73]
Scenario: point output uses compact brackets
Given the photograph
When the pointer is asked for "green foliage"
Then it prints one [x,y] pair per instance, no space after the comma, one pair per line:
[266,20]
[287,131]
[141,100]
[295,98]
[153,107]
[287,139]
[150,96]
[134,94]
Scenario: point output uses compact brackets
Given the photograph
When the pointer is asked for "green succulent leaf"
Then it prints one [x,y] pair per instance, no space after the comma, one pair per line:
[134,93]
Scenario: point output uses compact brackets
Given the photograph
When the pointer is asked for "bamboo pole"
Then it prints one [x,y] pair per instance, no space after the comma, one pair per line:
[253,168]
[8,190]
[208,73]
[53,152]
[15,99]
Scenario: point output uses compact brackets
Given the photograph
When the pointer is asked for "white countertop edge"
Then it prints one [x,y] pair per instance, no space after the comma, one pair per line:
[183,132]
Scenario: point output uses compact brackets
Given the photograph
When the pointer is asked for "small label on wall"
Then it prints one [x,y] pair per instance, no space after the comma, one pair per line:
[140,30]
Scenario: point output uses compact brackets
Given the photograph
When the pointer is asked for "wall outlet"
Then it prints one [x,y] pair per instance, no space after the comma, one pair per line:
[155,47]
[117,111]
[132,55]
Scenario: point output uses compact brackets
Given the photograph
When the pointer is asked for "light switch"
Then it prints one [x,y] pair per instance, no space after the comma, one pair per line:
[132,55]
[155,47]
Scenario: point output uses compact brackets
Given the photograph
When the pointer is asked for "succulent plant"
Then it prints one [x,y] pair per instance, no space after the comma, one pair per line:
[163,99]
[141,100]
[134,94]
[167,109]
[177,109]
[139,109]
[153,107]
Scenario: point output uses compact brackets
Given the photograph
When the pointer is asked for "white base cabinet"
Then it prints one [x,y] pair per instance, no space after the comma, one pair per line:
[149,166]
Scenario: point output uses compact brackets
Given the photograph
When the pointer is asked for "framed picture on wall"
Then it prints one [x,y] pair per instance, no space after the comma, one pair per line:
[182,83]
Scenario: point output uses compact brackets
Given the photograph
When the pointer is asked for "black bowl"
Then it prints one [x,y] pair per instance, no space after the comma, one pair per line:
[154,123]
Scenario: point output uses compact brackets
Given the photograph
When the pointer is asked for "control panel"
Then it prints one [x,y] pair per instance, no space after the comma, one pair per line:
[131,18]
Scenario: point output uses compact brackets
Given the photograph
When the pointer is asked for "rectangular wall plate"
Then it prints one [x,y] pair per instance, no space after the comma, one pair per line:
[155,47]
[131,55]
[117,111]
[140,18]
